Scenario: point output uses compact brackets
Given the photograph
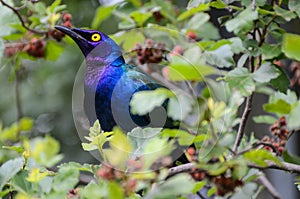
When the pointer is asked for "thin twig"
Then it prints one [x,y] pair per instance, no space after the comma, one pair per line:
[18,97]
[266,183]
[181,168]
[241,130]
[285,166]
[255,145]
[16,11]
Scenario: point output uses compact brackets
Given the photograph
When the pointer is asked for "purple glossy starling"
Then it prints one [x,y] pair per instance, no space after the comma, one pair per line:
[110,83]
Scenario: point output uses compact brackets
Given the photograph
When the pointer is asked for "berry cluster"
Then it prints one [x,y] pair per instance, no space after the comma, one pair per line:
[150,51]
[107,172]
[58,35]
[280,135]
[225,184]
[35,46]
[13,48]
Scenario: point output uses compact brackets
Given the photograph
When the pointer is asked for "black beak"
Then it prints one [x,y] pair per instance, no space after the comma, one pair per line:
[74,33]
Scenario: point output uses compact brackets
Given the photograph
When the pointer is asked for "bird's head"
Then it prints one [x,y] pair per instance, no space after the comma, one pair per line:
[94,44]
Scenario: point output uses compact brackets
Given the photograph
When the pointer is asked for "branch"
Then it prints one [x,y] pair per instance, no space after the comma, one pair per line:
[241,130]
[285,166]
[16,11]
[271,189]
[181,168]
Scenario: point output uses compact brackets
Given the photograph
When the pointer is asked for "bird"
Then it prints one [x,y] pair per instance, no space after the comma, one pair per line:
[110,83]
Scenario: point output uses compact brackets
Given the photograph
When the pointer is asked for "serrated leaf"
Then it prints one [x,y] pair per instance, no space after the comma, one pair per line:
[266,119]
[280,106]
[291,46]
[222,57]
[9,169]
[172,188]
[180,106]
[270,51]
[282,82]
[261,156]
[65,179]
[243,21]
[286,14]
[144,102]
[241,79]
[265,73]
[294,5]
[139,138]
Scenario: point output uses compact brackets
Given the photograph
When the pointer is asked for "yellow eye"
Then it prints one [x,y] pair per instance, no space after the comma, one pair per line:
[96,37]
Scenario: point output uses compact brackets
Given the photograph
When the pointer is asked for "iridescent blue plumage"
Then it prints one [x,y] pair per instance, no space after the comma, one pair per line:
[109,81]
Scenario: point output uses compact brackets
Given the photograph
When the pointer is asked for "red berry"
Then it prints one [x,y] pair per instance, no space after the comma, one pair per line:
[67,17]
[282,121]
[192,35]
[67,24]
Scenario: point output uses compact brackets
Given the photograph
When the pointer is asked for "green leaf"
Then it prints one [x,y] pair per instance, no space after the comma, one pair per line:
[145,101]
[128,39]
[265,73]
[184,138]
[294,5]
[197,21]
[270,51]
[266,119]
[180,106]
[18,149]
[9,169]
[241,79]
[65,179]
[53,50]
[280,106]
[193,11]
[8,17]
[286,14]
[287,157]
[261,156]
[54,5]
[257,2]
[120,149]
[92,190]
[139,138]
[172,188]
[140,18]
[166,9]
[13,36]
[102,13]
[291,46]
[221,57]
[242,22]
[293,117]
[282,82]
[155,149]
[115,190]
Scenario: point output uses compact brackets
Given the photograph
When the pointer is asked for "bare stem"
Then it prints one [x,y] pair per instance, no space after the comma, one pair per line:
[18,97]
[16,11]
[266,183]
[241,130]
